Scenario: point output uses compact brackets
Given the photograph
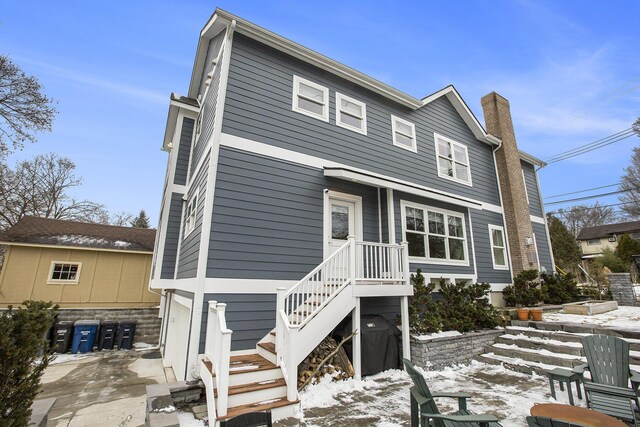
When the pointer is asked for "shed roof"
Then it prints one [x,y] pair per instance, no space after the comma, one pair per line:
[47,231]
[608,229]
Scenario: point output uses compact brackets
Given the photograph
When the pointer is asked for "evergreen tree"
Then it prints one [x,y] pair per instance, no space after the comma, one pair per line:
[141,221]
[626,248]
[566,251]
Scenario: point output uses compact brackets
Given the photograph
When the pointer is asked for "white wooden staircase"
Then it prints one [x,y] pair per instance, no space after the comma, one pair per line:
[266,379]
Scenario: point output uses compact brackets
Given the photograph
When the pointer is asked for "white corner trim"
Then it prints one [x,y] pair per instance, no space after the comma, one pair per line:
[538,220]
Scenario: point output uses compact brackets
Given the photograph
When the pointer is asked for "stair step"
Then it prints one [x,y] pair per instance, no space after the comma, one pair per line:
[247,388]
[634,344]
[249,363]
[540,356]
[257,407]
[269,346]
[534,343]
[517,365]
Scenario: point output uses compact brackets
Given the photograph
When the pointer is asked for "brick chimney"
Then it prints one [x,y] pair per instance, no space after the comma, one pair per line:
[497,116]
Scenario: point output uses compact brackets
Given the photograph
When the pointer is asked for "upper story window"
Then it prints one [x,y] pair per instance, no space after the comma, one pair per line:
[351,113]
[453,160]
[190,216]
[593,242]
[434,235]
[498,247]
[64,272]
[404,134]
[310,98]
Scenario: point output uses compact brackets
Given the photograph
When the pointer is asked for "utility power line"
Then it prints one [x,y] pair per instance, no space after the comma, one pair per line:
[588,197]
[595,207]
[583,191]
[600,143]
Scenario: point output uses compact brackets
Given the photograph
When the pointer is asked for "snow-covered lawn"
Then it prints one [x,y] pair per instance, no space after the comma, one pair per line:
[382,400]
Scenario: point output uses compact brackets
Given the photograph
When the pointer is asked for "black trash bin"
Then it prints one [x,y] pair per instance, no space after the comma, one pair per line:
[126,333]
[108,332]
[61,339]
[380,343]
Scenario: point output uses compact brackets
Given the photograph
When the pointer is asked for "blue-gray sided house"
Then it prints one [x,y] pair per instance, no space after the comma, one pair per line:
[299,191]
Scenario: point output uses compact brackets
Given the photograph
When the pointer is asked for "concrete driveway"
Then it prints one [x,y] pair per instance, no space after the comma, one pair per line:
[101,389]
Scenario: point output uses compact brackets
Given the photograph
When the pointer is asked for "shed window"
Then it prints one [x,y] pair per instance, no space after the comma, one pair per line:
[310,98]
[67,272]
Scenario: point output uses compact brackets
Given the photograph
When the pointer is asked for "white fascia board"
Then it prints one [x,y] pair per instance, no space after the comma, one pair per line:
[222,17]
[349,175]
[531,159]
[175,107]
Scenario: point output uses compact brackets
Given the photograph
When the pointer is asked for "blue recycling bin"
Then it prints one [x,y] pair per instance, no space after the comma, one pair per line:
[84,335]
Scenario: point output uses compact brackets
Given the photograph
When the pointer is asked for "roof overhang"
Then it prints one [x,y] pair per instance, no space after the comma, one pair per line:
[176,104]
[531,159]
[388,182]
[68,247]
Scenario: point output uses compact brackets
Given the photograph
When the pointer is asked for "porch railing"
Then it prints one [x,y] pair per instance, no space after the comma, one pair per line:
[218,351]
[382,262]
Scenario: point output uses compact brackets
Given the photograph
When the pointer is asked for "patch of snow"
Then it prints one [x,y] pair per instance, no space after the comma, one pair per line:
[539,340]
[144,346]
[167,409]
[186,419]
[243,367]
[437,335]
[79,239]
[121,244]
[63,358]
[542,352]
[623,318]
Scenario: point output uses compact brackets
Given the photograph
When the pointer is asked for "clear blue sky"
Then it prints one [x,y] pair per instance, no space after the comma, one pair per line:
[570,69]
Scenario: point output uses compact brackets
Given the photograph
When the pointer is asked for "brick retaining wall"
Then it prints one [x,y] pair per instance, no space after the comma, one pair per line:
[443,351]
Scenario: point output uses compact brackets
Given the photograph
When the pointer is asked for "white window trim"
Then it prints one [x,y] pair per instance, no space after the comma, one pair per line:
[427,260]
[524,181]
[438,137]
[451,277]
[394,120]
[194,213]
[362,105]
[52,281]
[294,101]
[504,248]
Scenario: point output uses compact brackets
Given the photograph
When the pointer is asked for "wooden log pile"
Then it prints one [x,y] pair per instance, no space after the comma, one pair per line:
[315,366]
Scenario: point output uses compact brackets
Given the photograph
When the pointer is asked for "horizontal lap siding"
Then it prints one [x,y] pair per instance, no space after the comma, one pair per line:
[484,261]
[249,316]
[388,307]
[268,217]
[184,150]
[258,107]
[542,245]
[172,237]
[188,262]
[207,120]
[434,268]
[531,182]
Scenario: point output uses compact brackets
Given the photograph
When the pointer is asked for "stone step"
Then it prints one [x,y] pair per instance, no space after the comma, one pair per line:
[576,337]
[517,365]
[540,356]
[554,346]
[579,328]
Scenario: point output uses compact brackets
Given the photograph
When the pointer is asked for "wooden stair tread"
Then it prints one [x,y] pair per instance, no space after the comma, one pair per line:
[246,388]
[249,363]
[257,407]
[269,346]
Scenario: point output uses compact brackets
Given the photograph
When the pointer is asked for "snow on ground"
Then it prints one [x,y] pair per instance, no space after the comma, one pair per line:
[67,357]
[436,335]
[382,400]
[186,419]
[622,318]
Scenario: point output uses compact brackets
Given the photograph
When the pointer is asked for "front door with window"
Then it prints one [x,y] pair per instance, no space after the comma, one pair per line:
[342,219]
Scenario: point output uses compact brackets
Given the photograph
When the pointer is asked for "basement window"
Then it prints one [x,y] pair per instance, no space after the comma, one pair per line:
[351,114]
[64,272]
[310,98]
[453,160]
[404,134]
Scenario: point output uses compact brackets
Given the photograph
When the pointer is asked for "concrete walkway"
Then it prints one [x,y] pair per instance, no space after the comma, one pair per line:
[101,389]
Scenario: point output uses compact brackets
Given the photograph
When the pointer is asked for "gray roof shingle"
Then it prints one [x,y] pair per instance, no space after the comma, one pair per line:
[606,230]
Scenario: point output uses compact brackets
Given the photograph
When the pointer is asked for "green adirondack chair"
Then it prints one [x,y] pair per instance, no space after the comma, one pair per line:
[424,411]
[550,422]
[609,391]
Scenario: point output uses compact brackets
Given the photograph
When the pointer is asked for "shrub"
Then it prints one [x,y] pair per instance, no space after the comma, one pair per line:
[424,316]
[525,291]
[611,261]
[627,247]
[24,355]
[557,289]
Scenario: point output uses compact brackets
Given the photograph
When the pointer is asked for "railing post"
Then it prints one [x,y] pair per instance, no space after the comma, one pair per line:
[279,324]
[292,366]
[210,336]
[405,261]
[224,347]
[352,259]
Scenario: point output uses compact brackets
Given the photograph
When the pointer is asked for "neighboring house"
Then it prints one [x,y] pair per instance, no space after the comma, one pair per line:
[77,265]
[594,240]
[276,156]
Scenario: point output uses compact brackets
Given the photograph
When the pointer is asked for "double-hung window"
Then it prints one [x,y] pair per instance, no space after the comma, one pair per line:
[404,134]
[453,160]
[64,272]
[310,98]
[190,215]
[498,247]
[434,234]
[351,114]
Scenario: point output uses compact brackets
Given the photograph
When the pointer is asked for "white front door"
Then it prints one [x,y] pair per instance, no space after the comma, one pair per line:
[343,218]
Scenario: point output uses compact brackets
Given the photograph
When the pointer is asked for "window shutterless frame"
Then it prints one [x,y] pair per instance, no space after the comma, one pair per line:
[351,114]
[452,160]
[64,272]
[403,134]
[190,214]
[310,98]
[498,247]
